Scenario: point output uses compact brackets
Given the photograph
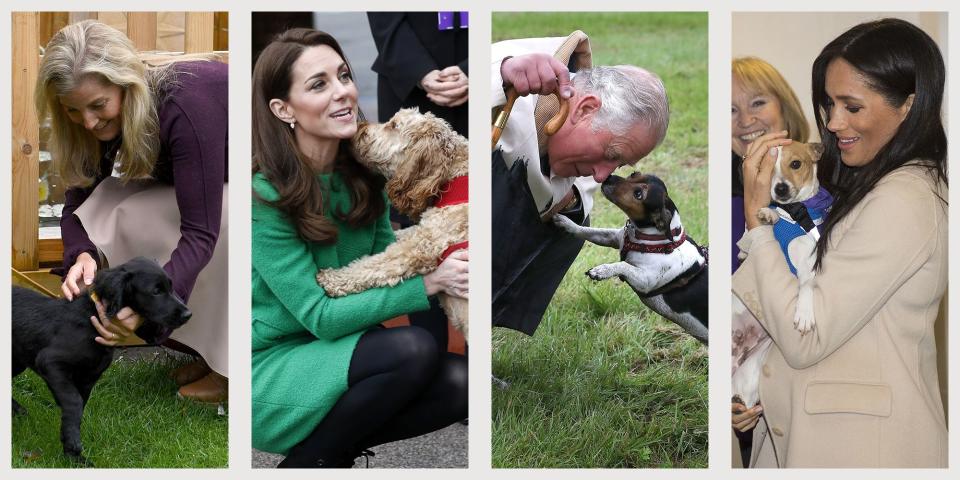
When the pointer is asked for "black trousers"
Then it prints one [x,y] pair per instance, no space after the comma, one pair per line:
[401,385]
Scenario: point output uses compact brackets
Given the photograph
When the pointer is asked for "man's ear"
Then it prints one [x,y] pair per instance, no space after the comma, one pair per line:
[584,107]
[905,108]
[281,110]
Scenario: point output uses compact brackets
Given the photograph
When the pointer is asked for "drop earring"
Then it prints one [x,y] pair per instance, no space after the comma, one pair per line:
[292,124]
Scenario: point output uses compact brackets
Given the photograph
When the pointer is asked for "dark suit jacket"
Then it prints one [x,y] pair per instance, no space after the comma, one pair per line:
[409,46]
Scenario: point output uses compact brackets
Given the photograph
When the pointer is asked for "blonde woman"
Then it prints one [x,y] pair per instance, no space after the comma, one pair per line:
[142,149]
[762,102]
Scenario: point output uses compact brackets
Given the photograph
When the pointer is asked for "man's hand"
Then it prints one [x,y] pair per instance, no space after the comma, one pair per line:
[536,73]
[448,87]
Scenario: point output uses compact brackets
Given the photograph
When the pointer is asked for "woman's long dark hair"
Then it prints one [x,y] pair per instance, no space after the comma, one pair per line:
[897,59]
[276,156]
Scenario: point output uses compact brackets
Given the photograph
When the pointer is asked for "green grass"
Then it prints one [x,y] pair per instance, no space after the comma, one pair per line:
[605,382]
[133,420]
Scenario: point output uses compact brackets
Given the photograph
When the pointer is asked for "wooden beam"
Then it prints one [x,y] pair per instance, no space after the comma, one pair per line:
[25,142]
[51,252]
[49,23]
[222,28]
[142,30]
[198,32]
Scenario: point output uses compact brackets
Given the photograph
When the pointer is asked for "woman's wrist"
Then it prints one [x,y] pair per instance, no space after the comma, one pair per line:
[430,286]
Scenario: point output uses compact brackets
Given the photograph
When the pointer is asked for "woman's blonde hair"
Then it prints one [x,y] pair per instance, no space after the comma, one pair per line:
[758,76]
[91,49]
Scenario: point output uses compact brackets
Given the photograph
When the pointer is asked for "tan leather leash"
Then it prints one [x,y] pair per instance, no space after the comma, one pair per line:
[33,283]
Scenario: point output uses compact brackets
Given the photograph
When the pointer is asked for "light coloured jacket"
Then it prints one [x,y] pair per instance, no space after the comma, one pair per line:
[861,389]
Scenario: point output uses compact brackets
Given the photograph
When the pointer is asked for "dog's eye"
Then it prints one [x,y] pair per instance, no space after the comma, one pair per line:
[795,164]
[638,194]
[157,290]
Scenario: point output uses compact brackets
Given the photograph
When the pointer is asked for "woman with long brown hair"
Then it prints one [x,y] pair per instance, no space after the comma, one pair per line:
[860,390]
[328,382]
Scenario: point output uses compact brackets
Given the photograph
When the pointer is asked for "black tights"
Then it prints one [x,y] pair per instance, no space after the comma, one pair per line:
[400,386]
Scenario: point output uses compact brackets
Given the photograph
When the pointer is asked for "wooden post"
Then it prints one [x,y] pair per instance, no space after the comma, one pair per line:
[198,32]
[25,142]
[49,23]
[222,27]
[142,30]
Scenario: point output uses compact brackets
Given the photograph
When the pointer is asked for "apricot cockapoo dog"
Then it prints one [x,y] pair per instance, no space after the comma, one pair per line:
[426,165]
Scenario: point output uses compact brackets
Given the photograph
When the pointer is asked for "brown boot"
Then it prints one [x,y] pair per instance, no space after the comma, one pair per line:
[209,389]
[190,372]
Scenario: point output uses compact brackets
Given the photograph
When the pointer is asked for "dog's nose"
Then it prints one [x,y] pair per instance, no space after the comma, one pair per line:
[186,316]
[782,189]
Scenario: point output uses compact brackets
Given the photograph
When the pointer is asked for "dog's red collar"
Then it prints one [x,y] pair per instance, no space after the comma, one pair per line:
[652,243]
[453,248]
[455,192]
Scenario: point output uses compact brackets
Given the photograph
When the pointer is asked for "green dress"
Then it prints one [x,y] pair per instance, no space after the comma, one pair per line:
[303,340]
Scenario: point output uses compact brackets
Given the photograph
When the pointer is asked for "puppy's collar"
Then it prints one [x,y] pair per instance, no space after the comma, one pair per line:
[634,241]
[455,192]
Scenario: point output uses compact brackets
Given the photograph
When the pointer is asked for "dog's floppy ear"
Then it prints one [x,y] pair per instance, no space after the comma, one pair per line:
[109,285]
[426,167]
[817,149]
[661,219]
[659,206]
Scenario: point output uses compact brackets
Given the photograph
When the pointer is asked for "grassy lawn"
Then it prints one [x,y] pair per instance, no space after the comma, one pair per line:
[606,382]
[133,420]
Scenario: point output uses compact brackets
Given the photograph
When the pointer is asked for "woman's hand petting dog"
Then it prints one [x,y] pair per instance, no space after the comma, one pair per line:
[85,268]
[758,166]
[745,418]
[119,330]
[451,277]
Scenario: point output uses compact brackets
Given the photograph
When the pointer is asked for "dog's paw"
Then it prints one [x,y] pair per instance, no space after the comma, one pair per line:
[767,216]
[601,272]
[73,449]
[803,320]
[564,223]
[327,278]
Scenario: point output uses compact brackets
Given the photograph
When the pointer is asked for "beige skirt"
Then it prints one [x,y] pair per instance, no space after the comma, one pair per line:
[141,218]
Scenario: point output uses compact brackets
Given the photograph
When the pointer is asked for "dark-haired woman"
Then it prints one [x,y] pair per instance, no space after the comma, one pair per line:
[860,390]
[327,381]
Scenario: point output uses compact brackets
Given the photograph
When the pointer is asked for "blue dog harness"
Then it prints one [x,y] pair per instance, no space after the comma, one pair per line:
[800,218]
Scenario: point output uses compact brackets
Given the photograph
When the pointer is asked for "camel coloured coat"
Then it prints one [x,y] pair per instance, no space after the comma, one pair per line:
[861,389]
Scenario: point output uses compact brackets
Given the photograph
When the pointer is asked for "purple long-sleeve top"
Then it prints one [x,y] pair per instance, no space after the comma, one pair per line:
[192,115]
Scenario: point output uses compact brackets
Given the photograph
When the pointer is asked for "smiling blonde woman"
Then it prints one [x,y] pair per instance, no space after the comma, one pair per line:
[142,149]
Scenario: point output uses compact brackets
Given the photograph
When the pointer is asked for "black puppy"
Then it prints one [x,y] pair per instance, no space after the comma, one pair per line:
[657,257]
[54,337]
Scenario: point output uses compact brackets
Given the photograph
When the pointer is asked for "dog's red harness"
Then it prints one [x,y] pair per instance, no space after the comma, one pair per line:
[664,243]
[454,192]
[634,241]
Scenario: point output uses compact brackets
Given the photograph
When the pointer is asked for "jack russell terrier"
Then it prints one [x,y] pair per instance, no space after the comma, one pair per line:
[662,264]
[799,205]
